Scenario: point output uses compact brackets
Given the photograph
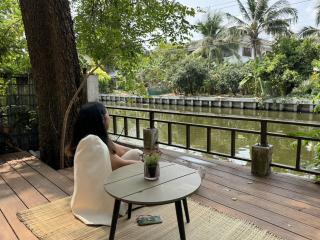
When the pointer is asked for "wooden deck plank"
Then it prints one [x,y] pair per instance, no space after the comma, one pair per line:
[294,214]
[68,172]
[244,171]
[26,192]
[10,204]
[290,213]
[260,223]
[265,193]
[262,214]
[61,181]
[241,184]
[6,232]
[42,184]
[307,190]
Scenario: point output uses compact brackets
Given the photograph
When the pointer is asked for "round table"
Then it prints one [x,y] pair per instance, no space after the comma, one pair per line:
[175,183]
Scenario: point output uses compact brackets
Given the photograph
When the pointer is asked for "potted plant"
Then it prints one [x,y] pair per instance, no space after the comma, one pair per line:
[151,166]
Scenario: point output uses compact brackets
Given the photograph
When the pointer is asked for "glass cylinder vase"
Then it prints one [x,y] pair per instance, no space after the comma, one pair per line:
[151,172]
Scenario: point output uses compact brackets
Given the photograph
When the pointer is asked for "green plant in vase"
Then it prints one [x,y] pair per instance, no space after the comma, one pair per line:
[151,166]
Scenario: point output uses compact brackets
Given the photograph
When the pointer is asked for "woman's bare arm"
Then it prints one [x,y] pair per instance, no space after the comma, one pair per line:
[117,162]
[120,150]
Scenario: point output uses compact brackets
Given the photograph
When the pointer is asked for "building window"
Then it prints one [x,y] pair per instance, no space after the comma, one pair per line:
[246,52]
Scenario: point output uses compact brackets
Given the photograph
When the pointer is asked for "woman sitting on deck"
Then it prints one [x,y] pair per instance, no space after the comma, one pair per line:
[95,156]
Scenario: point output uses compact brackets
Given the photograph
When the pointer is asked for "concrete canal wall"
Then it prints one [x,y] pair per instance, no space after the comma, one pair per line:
[221,102]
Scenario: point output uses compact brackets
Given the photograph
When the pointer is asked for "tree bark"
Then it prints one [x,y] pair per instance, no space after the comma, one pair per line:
[55,68]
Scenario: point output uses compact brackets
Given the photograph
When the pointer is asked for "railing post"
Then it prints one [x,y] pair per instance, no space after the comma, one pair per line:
[233,143]
[169,133]
[208,139]
[261,154]
[298,157]
[138,128]
[263,134]
[151,118]
[187,136]
[114,122]
[125,126]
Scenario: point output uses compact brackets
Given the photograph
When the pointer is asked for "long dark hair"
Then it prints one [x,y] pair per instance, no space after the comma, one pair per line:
[90,120]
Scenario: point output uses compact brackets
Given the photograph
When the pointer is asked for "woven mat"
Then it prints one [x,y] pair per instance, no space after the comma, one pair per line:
[54,221]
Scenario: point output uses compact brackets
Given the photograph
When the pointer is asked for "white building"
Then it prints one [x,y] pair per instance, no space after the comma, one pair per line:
[245,51]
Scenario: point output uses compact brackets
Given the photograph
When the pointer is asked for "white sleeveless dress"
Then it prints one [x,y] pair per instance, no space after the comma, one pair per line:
[90,203]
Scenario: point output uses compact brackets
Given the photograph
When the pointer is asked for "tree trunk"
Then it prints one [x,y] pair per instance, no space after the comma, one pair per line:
[55,68]
[254,43]
[254,47]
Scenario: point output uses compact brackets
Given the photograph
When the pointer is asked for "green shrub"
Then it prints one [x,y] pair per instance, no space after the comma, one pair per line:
[154,70]
[305,88]
[224,78]
[249,84]
[189,75]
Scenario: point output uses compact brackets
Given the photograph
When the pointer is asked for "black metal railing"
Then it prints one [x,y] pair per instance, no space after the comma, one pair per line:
[262,132]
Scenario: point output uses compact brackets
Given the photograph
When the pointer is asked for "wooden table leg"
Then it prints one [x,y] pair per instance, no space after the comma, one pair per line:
[115,217]
[129,210]
[186,210]
[180,220]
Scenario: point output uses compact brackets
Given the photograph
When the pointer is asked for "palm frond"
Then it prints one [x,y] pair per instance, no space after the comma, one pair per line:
[243,11]
[283,12]
[252,7]
[261,7]
[211,26]
[235,19]
[278,5]
[277,27]
[282,8]
[218,39]
[318,14]
[309,32]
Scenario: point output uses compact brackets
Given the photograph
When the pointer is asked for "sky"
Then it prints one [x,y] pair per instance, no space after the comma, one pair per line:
[306,11]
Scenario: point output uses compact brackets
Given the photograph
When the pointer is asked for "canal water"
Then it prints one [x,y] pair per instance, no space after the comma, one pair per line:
[284,150]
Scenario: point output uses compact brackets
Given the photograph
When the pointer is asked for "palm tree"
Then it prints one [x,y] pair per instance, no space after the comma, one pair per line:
[312,31]
[258,17]
[218,41]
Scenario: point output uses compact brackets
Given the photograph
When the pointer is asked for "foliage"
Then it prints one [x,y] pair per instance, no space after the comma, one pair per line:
[114,33]
[285,68]
[154,69]
[127,81]
[152,159]
[14,58]
[259,17]
[189,75]
[277,78]
[309,32]
[316,84]
[22,119]
[305,89]
[225,78]
[218,41]
[3,86]
[250,84]
[105,82]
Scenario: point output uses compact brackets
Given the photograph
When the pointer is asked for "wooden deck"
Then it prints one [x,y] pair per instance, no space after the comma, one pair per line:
[287,206]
